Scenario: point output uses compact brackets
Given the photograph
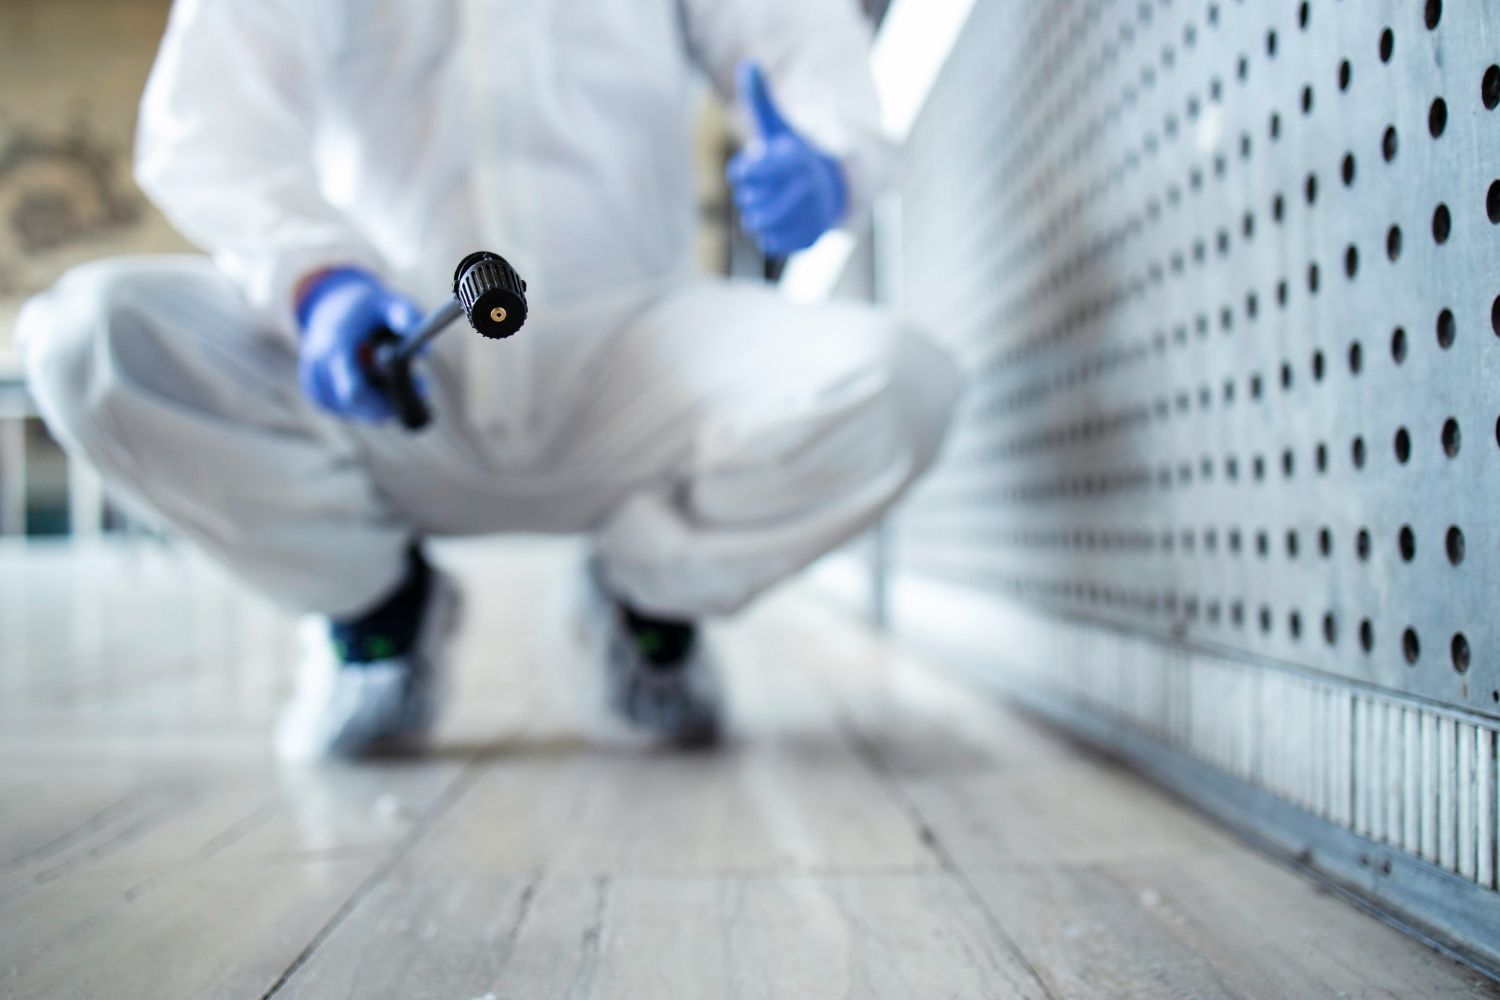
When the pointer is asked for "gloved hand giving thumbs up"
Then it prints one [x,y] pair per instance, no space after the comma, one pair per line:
[788,191]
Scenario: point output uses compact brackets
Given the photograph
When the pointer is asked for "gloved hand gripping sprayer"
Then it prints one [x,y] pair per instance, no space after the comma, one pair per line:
[486,289]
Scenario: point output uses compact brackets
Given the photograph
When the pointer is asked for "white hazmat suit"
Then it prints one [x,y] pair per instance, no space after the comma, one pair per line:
[712,437]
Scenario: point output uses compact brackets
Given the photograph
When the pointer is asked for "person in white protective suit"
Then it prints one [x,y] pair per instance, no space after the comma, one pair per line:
[336,159]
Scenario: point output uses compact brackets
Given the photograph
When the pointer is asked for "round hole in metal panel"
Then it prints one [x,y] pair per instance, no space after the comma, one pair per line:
[1453,544]
[1411,645]
[1447,329]
[1387,45]
[1452,438]
[1489,87]
[1433,13]
[1458,651]
[1366,635]
[1403,445]
[1393,243]
[1406,543]
[1442,224]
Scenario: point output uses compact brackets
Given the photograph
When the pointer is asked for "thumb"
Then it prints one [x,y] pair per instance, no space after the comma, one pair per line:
[755,98]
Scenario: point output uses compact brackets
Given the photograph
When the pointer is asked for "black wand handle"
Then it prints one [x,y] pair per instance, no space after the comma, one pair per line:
[486,290]
[390,370]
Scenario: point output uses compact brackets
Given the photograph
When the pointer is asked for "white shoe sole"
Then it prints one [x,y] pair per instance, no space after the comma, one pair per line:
[340,711]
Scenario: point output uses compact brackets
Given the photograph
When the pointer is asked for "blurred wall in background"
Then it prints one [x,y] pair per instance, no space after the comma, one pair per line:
[71,72]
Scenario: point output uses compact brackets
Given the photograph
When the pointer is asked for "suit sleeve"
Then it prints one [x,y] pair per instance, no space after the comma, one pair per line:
[225,147]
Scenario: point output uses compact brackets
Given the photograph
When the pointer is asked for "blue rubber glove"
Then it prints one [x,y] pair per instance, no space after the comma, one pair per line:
[788,191]
[338,313]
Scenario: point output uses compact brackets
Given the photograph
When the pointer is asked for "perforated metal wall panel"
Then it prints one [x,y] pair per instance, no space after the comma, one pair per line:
[1225,277]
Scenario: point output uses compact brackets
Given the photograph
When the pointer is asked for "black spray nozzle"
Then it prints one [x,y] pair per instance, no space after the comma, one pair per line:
[492,294]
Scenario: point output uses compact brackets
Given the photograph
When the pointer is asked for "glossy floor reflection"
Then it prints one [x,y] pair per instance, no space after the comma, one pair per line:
[870,829]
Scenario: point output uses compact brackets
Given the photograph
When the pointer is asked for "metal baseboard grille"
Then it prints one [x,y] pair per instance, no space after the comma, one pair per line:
[1394,799]
[1225,277]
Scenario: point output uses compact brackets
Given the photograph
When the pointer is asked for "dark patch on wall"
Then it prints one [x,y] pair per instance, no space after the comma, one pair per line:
[55,192]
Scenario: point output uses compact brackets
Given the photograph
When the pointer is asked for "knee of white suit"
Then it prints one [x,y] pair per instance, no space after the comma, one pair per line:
[151,370]
[766,501]
[100,368]
[63,340]
[788,454]
[925,384]
[118,349]
[71,345]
